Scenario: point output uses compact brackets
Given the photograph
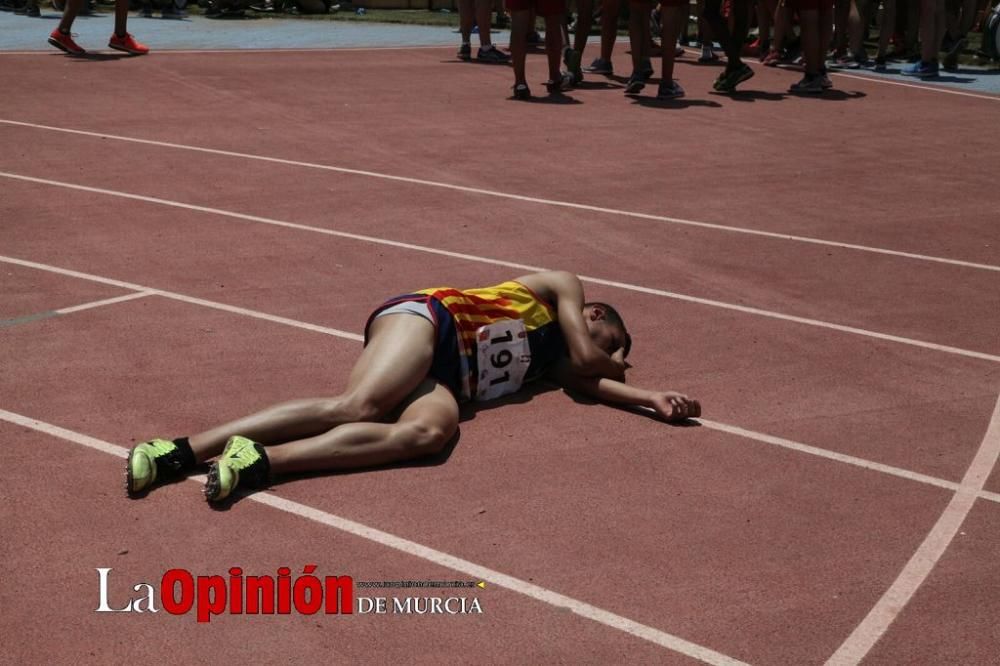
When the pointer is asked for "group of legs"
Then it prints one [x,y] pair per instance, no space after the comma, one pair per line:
[120,40]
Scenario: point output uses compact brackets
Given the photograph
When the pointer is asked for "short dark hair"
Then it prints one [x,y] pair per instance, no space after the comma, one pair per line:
[613,317]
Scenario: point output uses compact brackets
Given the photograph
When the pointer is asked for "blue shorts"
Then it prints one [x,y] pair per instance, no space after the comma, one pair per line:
[446,366]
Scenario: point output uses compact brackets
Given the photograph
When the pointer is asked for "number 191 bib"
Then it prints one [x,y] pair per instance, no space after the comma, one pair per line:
[504,356]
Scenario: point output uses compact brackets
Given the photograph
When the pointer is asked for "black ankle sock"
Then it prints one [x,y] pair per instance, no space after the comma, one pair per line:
[186,454]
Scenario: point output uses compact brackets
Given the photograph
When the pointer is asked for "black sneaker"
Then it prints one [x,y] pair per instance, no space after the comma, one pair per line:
[635,83]
[562,84]
[728,81]
[522,91]
[601,66]
[492,55]
[465,52]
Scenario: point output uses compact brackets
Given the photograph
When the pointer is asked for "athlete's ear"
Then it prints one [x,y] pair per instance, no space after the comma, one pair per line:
[597,313]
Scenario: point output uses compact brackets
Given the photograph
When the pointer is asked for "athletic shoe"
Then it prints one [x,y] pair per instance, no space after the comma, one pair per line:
[522,91]
[152,461]
[924,70]
[492,55]
[728,81]
[571,57]
[679,51]
[824,81]
[242,462]
[669,90]
[65,42]
[772,59]
[127,44]
[809,85]
[465,52]
[535,39]
[844,62]
[708,56]
[635,83]
[950,61]
[601,66]
[881,65]
[562,84]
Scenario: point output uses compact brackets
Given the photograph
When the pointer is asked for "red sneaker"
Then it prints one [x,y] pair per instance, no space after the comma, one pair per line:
[128,44]
[65,42]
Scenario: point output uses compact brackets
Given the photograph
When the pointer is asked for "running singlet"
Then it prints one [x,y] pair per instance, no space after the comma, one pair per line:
[506,336]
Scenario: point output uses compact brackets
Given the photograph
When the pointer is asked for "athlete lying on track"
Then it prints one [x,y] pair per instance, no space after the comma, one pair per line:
[424,353]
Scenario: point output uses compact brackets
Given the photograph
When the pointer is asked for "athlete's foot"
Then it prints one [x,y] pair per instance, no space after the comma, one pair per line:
[64,42]
[243,462]
[729,79]
[128,44]
[155,461]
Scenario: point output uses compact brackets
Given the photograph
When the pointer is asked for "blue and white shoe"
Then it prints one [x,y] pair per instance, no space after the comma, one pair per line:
[924,70]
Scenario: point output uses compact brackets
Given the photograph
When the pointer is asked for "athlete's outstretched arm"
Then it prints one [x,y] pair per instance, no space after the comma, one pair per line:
[671,406]
[566,292]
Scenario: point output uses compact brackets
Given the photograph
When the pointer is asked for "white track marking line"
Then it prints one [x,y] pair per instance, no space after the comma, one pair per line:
[714,425]
[186,299]
[525,267]
[832,455]
[102,303]
[415,549]
[949,91]
[874,625]
[515,197]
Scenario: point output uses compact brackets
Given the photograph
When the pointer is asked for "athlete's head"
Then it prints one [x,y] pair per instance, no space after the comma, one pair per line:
[606,327]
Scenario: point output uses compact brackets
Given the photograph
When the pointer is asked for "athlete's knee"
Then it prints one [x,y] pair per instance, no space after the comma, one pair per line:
[423,438]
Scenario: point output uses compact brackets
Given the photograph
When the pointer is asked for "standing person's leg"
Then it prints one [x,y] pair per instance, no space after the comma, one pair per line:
[121,40]
[554,46]
[813,48]
[931,31]
[466,15]
[487,52]
[61,37]
[574,55]
[885,29]
[609,35]
[842,13]
[638,27]
[673,16]
[782,24]
[520,24]
[732,42]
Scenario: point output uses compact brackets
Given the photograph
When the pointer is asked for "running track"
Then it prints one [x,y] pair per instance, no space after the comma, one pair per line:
[206,234]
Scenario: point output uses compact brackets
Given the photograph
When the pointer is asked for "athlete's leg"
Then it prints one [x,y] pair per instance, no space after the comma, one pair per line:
[397,358]
[428,419]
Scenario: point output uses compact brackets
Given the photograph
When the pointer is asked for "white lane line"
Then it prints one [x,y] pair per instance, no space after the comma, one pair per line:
[887,609]
[415,549]
[833,455]
[102,303]
[948,91]
[524,267]
[518,197]
[48,314]
[715,425]
[246,312]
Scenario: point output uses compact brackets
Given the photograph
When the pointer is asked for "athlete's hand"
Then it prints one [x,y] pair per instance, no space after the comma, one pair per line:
[673,407]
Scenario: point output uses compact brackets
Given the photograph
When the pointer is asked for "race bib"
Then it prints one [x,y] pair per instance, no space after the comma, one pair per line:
[504,357]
